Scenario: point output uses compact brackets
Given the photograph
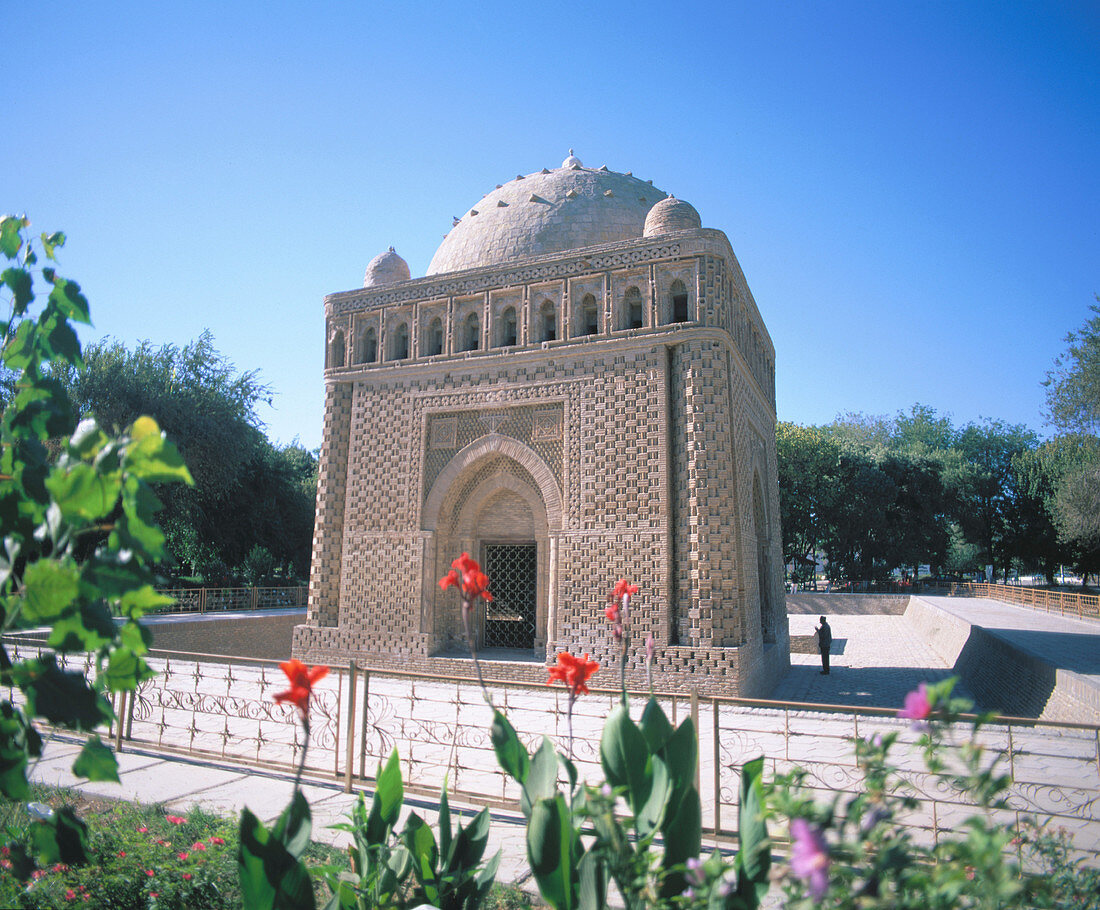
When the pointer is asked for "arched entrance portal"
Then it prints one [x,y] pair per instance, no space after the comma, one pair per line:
[497,501]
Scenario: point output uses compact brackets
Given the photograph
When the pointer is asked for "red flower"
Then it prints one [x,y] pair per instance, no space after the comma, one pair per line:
[612,611]
[150,873]
[187,876]
[466,575]
[143,830]
[182,856]
[622,586]
[217,840]
[176,819]
[302,680]
[198,845]
[574,672]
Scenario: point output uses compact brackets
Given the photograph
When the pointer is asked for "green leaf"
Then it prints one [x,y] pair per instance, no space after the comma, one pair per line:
[88,438]
[420,842]
[152,457]
[592,894]
[680,754]
[137,602]
[550,848]
[444,821]
[389,794]
[292,828]
[61,696]
[69,301]
[10,238]
[87,629]
[468,847]
[22,289]
[655,726]
[754,855]
[511,754]
[13,752]
[82,493]
[683,836]
[52,242]
[96,761]
[625,758]
[271,878]
[542,777]
[126,669]
[49,588]
[651,813]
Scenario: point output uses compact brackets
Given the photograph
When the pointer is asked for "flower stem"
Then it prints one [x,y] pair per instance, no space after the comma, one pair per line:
[467,609]
[302,760]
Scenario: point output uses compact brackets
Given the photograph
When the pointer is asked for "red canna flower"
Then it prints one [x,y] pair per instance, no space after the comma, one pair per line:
[466,575]
[622,586]
[574,672]
[302,680]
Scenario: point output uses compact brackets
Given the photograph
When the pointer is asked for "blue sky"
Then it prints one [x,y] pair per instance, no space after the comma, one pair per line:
[912,189]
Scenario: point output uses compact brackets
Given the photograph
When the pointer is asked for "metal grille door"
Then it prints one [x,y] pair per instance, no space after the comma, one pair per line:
[513,580]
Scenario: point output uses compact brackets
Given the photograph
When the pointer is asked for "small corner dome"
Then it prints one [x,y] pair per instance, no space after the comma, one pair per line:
[386,268]
[572,161]
[671,214]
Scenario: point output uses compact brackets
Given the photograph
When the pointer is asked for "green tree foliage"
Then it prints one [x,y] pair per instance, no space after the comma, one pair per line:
[1073,386]
[891,493]
[248,493]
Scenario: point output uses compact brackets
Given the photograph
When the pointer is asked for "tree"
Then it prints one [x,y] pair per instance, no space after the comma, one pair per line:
[1073,386]
[985,485]
[808,461]
[247,492]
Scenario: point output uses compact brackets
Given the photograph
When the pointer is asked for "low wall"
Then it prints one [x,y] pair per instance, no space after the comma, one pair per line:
[265,636]
[1002,677]
[822,604]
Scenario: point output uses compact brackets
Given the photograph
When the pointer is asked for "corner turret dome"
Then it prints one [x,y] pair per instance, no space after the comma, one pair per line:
[671,214]
[550,211]
[386,268]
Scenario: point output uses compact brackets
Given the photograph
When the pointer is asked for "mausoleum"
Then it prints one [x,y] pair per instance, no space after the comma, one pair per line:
[580,389]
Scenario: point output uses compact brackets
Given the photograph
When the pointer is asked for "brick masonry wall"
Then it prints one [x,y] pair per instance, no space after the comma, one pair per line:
[821,604]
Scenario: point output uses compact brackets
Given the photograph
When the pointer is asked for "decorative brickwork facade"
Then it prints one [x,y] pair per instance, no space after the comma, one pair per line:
[597,405]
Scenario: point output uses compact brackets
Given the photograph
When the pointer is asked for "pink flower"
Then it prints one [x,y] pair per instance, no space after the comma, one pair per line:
[217,840]
[143,830]
[70,895]
[176,819]
[810,857]
[917,706]
[121,852]
[150,873]
[182,856]
[198,845]
[187,876]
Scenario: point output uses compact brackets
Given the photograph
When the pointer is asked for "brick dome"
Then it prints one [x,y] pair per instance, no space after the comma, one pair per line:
[386,268]
[551,211]
[671,214]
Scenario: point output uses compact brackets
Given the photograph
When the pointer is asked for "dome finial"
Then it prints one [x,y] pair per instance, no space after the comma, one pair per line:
[571,161]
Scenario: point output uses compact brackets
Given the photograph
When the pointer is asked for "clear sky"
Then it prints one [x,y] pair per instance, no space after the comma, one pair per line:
[912,188]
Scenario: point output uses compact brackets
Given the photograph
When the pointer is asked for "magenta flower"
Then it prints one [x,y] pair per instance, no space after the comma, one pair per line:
[917,705]
[810,857]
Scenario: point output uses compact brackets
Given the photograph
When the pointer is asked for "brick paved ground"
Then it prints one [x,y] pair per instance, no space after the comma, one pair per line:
[875,661]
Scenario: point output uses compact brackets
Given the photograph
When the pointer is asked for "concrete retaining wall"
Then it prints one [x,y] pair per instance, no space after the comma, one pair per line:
[811,602]
[1002,677]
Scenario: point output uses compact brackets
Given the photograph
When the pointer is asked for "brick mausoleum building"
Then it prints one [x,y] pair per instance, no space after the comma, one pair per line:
[580,389]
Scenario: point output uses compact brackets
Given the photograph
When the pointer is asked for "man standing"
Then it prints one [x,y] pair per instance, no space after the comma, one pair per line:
[824,641]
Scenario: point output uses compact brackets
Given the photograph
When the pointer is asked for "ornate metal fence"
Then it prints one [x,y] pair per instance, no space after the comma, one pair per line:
[440,728]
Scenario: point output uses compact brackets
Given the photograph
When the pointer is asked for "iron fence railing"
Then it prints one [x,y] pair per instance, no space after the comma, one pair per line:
[440,728]
[1065,603]
[218,600]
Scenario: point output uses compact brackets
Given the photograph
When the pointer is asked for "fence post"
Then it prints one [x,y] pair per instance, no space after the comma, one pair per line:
[695,723]
[350,758]
[202,600]
[120,720]
[363,725]
[717,770]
